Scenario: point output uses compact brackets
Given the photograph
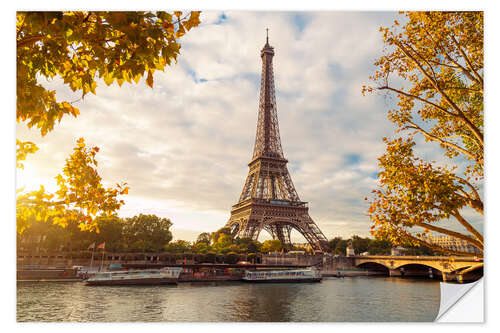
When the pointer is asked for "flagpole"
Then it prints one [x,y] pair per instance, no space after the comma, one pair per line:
[102,260]
[92,260]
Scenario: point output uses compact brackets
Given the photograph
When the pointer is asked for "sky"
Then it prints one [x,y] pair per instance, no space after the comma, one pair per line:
[183,146]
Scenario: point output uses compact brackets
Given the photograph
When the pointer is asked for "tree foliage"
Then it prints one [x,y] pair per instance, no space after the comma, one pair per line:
[271,245]
[204,237]
[222,231]
[439,57]
[338,245]
[137,234]
[22,150]
[81,195]
[247,244]
[179,246]
[147,232]
[360,244]
[82,47]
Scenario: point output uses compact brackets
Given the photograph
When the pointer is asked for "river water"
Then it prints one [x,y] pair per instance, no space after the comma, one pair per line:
[356,299]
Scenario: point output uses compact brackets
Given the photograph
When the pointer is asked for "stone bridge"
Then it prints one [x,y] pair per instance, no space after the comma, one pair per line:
[447,266]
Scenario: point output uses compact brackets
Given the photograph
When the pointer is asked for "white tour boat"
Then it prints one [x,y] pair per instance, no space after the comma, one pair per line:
[166,275]
[282,275]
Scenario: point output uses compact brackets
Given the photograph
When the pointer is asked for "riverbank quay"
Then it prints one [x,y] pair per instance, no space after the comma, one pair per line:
[215,272]
[190,272]
[446,268]
[55,274]
[351,273]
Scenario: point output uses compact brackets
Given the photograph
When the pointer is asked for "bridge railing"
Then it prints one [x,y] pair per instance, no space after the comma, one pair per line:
[424,258]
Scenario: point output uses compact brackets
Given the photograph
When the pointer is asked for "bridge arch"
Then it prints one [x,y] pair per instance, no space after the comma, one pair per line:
[445,265]
[374,266]
[472,268]
[416,265]
[394,264]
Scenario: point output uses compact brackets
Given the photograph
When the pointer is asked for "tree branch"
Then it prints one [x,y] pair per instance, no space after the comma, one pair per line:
[418,98]
[437,247]
[21,27]
[467,226]
[460,115]
[28,40]
[479,79]
[446,143]
[452,233]
[457,65]
[33,202]
[476,203]
[424,60]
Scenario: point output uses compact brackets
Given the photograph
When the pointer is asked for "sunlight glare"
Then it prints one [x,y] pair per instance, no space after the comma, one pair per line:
[30,180]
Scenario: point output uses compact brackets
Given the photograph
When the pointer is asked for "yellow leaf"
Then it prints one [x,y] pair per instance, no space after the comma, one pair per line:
[149,80]
[108,79]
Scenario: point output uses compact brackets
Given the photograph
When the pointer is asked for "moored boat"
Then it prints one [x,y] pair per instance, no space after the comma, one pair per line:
[166,275]
[55,274]
[282,275]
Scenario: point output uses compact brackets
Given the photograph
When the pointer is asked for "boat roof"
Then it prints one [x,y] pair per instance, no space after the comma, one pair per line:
[139,270]
[279,269]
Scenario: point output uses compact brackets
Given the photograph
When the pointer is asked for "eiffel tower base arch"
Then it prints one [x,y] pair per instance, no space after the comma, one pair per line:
[278,221]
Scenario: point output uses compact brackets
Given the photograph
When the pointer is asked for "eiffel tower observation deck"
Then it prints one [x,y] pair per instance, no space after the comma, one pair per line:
[269,200]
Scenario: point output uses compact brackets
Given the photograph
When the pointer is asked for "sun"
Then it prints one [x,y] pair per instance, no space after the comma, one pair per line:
[28,179]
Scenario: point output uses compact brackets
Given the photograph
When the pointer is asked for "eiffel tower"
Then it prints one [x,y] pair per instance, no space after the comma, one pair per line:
[269,200]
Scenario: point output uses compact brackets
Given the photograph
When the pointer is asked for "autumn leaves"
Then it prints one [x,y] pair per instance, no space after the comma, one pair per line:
[81,48]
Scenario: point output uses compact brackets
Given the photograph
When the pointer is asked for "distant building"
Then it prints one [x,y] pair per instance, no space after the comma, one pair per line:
[452,243]
[34,242]
[349,251]
[398,251]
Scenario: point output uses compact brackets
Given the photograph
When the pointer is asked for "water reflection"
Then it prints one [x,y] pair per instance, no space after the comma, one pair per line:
[348,299]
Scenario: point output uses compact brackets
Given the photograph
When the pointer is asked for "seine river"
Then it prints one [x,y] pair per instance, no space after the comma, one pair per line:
[357,299]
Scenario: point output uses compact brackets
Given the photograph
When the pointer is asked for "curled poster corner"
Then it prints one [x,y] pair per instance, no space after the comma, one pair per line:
[451,298]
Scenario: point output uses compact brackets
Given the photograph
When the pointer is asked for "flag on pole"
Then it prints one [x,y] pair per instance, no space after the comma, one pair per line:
[102,246]
[91,246]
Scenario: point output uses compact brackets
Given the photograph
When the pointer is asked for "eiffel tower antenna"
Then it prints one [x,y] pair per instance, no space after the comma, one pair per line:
[269,200]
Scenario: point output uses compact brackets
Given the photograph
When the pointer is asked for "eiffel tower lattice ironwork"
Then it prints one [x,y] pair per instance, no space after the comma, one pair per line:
[269,200]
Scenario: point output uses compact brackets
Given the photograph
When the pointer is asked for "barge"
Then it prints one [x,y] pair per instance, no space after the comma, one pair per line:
[282,275]
[166,275]
[49,274]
